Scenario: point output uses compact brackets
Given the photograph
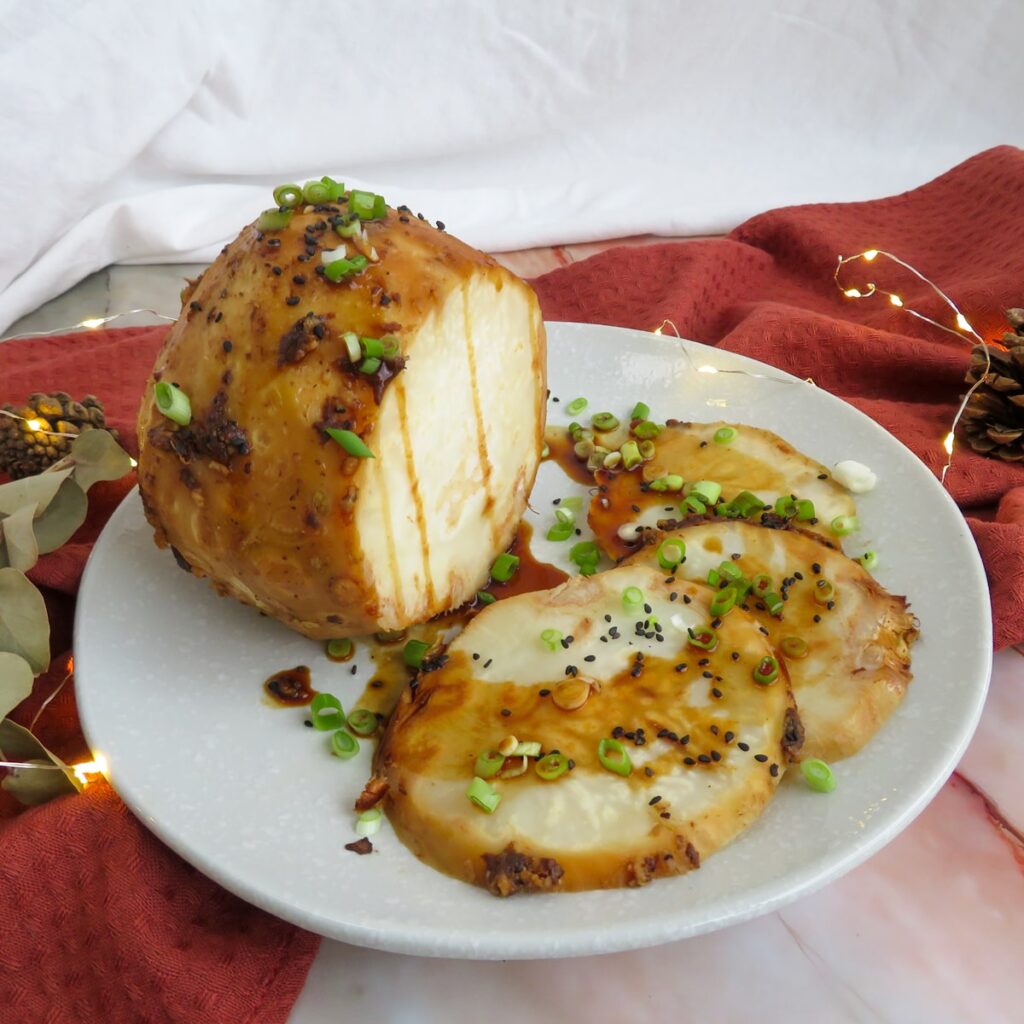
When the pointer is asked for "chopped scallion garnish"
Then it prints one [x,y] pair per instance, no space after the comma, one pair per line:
[274,220]
[723,602]
[504,567]
[793,647]
[527,748]
[288,196]
[173,403]
[483,794]
[869,560]
[705,639]
[613,755]
[340,649]
[550,766]
[551,639]
[351,442]
[632,599]
[843,526]
[370,365]
[576,406]
[640,411]
[565,515]
[488,763]
[561,531]
[725,435]
[631,457]
[326,712]
[818,774]
[604,421]
[414,652]
[344,745]
[352,346]
[585,555]
[785,506]
[670,553]
[766,671]
[316,192]
[707,491]
[804,510]
[483,597]
[647,430]
[824,591]
[362,722]
[369,822]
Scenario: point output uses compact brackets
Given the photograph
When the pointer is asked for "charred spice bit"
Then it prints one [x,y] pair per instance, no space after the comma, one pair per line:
[361,846]
[488,663]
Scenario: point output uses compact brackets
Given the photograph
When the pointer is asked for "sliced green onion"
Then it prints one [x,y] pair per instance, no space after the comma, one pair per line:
[565,515]
[340,649]
[551,639]
[288,195]
[612,754]
[773,602]
[824,592]
[484,795]
[843,526]
[766,671]
[612,460]
[714,577]
[660,484]
[316,192]
[647,430]
[747,503]
[351,442]
[725,435]
[785,506]
[483,597]
[550,766]
[326,712]
[723,602]
[370,366]
[585,555]
[574,501]
[414,652]
[731,570]
[604,421]
[362,722]
[392,345]
[632,599]
[575,430]
[344,745]
[670,553]
[692,504]
[647,450]
[504,567]
[818,775]
[369,822]
[274,220]
[380,208]
[361,204]
[804,510]
[372,346]
[336,270]
[352,346]
[631,457]
[869,560]
[336,188]
[674,482]
[488,763]
[707,491]
[561,531]
[347,225]
[761,584]
[640,411]
[173,403]
[527,748]
[793,646]
[705,639]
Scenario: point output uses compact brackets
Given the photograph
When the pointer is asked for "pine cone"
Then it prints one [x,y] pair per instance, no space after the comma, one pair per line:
[993,421]
[55,420]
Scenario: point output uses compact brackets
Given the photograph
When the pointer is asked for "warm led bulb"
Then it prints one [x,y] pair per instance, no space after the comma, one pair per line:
[657,330]
[93,322]
[852,293]
[707,369]
[870,254]
[34,424]
[895,300]
[961,322]
[948,443]
[87,768]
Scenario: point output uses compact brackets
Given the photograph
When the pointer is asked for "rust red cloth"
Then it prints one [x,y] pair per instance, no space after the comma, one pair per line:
[111,925]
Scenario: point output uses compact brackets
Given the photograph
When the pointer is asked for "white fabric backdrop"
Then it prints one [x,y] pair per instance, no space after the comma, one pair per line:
[143,131]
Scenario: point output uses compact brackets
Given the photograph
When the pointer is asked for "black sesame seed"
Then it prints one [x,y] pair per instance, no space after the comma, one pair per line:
[743,746]
[735,655]
[816,568]
[570,670]
[704,759]
[672,596]
[440,225]
[404,219]
[715,755]
[299,278]
[681,667]
[572,764]
[761,757]
[292,300]
[654,800]
[665,814]
[648,609]
[798,575]
[352,671]
[648,771]
[704,661]
[607,618]
[716,693]
[729,736]
[817,618]
[823,476]
[319,330]
[617,732]
[545,692]
[276,271]
[830,605]
[476,657]
[488,662]
[635,508]
[683,740]
[714,730]
[708,675]
[226,345]
[703,444]
[774,771]
[308,724]
[505,712]
[735,556]
[689,760]
[686,598]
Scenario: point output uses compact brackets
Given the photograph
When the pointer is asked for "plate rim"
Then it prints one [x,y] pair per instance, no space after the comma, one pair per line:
[579,940]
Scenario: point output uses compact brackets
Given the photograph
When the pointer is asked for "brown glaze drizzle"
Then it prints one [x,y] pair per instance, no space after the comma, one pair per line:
[532,574]
[562,446]
[290,687]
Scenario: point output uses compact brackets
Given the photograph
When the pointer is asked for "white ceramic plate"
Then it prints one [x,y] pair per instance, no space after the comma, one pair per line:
[169,690]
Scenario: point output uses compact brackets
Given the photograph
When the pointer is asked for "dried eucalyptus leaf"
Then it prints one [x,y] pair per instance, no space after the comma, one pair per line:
[15,681]
[19,540]
[24,626]
[98,457]
[37,491]
[32,787]
[63,516]
[28,785]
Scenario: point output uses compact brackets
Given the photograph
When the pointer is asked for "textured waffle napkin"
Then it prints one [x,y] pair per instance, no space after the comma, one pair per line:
[104,923]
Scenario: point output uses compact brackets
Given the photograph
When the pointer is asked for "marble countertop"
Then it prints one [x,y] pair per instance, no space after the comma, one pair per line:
[931,929]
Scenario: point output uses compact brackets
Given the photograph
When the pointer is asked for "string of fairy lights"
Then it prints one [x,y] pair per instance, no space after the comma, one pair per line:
[958,326]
